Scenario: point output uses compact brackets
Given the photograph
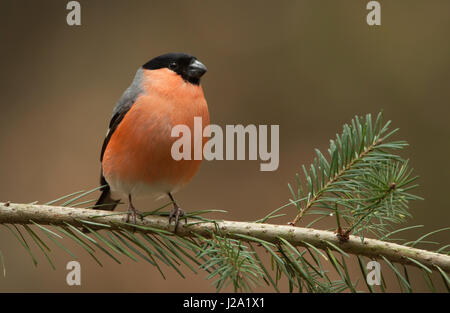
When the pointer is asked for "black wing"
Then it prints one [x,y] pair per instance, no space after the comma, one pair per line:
[106,202]
[115,121]
[121,109]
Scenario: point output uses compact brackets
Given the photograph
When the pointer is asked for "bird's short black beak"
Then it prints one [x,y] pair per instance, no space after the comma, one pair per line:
[196,69]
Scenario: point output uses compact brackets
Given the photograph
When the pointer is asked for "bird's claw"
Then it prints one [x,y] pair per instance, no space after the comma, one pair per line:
[176,213]
[134,212]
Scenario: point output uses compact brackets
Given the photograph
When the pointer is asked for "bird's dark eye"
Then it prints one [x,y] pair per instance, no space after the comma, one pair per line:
[173,65]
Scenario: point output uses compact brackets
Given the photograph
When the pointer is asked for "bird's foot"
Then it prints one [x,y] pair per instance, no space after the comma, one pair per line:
[176,213]
[133,212]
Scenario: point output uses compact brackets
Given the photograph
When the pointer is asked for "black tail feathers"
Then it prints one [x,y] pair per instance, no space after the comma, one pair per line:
[105,202]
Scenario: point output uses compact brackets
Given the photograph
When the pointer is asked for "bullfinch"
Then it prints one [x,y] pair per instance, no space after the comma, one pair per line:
[136,155]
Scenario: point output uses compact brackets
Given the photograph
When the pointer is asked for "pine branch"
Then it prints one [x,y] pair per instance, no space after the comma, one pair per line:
[335,178]
[364,183]
[13,213]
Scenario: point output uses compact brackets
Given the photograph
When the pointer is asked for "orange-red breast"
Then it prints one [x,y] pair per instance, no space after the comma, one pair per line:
[136,154]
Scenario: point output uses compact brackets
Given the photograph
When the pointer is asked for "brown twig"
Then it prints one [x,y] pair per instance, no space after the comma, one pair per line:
[15,213]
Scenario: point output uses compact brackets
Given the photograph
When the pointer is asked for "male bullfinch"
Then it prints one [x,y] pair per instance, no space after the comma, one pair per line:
[136,155]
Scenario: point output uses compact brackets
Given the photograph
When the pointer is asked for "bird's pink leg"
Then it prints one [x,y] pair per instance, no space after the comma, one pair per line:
[132,211]
[176,213]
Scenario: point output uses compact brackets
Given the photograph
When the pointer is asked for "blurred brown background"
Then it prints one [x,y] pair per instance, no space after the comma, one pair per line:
[308,66]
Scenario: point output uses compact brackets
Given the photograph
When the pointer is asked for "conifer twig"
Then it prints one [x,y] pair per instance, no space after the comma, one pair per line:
[14,213]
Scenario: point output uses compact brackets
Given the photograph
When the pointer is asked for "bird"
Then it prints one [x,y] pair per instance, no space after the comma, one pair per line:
[135,157]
